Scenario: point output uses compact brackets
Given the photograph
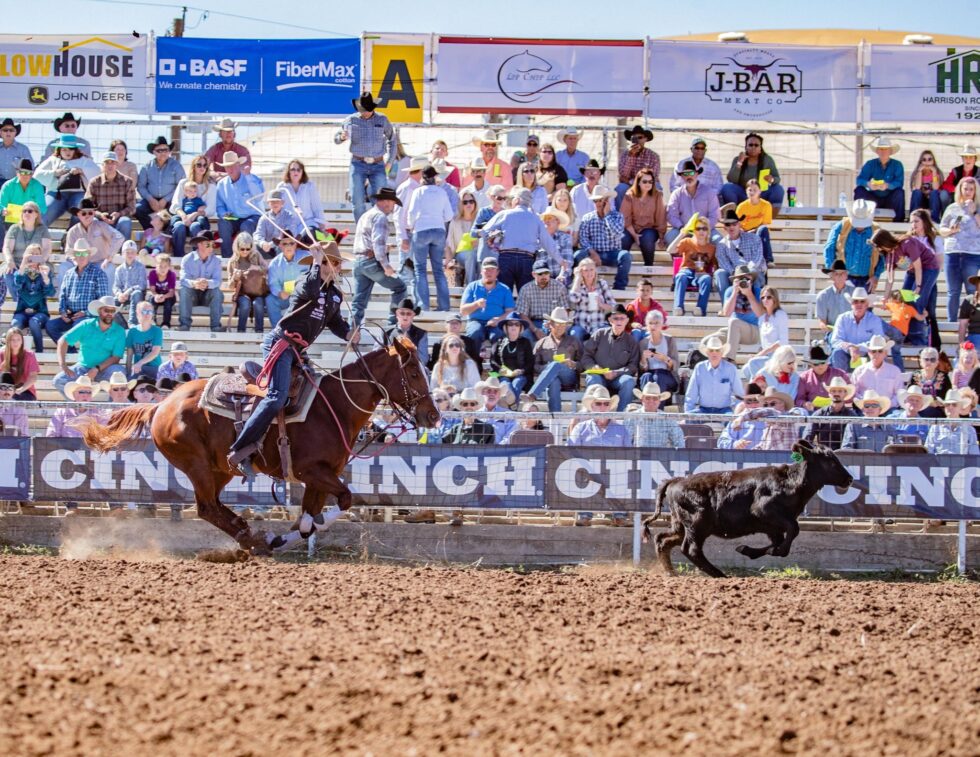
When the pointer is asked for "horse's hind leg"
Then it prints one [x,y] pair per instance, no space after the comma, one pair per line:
[207,487]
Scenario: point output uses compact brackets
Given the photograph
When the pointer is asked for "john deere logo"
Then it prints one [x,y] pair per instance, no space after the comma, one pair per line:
[958,73]
[37,95]
[753,81]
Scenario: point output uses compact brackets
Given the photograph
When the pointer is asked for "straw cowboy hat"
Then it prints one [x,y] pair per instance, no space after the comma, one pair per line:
[954,397]
[225,124]
[651,389]
[230,158]
[884,143]
[563,220]
[559,315]
[467,395]
[859,293]
[774,393]
[872,396]
[838,383]
[571,131]
[914,391]
[968,151]
[442,168]
[103,302]
[489,137]
[713,343]
[479,164]
[599,392]
[861,213]
[506,395]
[418,163]
[601,192]
[82,382]
[878,342]
[330,250]
[116,380]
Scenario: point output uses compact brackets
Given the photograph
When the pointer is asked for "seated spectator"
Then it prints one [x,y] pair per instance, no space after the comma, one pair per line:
[743,432]
[302,195]
[599,432]
[143,344]
[563,260]
[753,163]
[442,401]
[634,158]
[557,361]
[659,358]
[913,402]
[235,213]
[440,151]
[812,392]
[950,439]
[650,427]
[20,363]
[965,367]
[513,356]
[273,223]
[882,180]
[101,343]
[284,270]
[581,194]
[644,215]
[64,419]
[592,299]
[126,166]
[178,369]
[835,300]
[933,382]
[926,183]
[853,330]
[81,284]
[611,357]
[248,279]
[884,378]
[20,189]
[539,297]
[117,388]
[571,158]
[967,169]
[144,391]
[697,264]
[735,249]
[226,143]
[871,437]
[551,174]
[405,326]
[158,180]
[103,240]
[189,208]
[162,289]
[773,321]
[960,230]
[641,307]
[65,176]
[32,288]
[905,324]
[709,170]
[470,430]
[779,372]
[481,189]
[114,195]
[129,285]
[741,307]
[714,383]
[484,303]
[67,125]
[454,326]
[454,369]
[850,242]
[831,433]
[156,241]
[500,172]
[600,236]
[200,282]
[497,398]
[755,215]
[27,232]
[460,243]
[776,435]
[690,200]
[12,417]
[527,178]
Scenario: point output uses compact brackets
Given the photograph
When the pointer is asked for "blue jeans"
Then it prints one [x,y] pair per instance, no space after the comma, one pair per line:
[893,200]
[478,331]
[212,299]
[621,259]
[515,269]
[661,377]
[763,233]
[685,277]
[58,207]
[274,400]
[899,338]
[254,306]
[361,173]
[33,323]
[974,339]
[135,300]
[516,384]
[428,246]
[579,333]
[551,381]
[648,244]
[124,225]
[58,327]
[959,268]
[937,201]
[622,386]
[367,273]
[228,229]
[61,380]
[467,260]
[182,233]
[736,193]
[274,308]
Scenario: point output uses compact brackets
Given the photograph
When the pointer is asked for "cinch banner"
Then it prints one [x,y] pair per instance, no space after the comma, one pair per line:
[253,76]
[15,467]
[397,66]
[729,81]
[924,83]
[547,77]
[65,72]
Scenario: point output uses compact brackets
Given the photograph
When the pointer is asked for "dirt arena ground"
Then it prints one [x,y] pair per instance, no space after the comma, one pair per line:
[169,657]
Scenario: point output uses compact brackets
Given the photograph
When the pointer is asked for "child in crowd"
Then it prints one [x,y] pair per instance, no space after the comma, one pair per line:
[155,241]
[902,327]
[756,215]
[178,365]
[162,289]
[32,287]
[642,305]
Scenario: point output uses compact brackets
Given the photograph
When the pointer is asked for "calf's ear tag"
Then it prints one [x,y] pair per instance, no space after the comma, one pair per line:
[796,457]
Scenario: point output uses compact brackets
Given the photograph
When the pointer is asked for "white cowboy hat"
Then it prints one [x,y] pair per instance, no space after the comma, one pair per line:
[230,158]
[81,245]
[479,164]
[878,342]
[226,124]
[559,315]
[774,393]
[418,163]
[872,396]
[506,395]
[571,131]
[953,397]
[117,379]
[488,137]
[598,393]
[651,389]
[968,150]
[82,381]
[442,167]
[558,215]
[601,192]
[884,143]
[859,293]
[103,302]
[467,395]
[861,213]
[914,391]
[713,342]
[838,383]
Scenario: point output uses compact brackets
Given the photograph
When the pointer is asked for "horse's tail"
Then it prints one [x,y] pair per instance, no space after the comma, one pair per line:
[122,425]
[661,493]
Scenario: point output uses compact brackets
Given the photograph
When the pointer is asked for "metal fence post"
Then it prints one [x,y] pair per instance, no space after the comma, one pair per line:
[637,542]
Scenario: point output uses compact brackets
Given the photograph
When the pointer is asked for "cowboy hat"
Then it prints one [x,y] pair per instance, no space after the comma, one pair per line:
[10,122]
[593,163]
[818,353]
[884,143]
[571,131]
[231,158]
[914,391]
[26,164]
[619,309]
[160,142]
[599,392]
[511,317]
[7,379]
[331,250]
[81,245]
[712,343]
[386,193]
[638,130]
[117,380]
[774,393]
[479,164]
[489,137]
[141,380]
[728,216]
[967,151]
[204,236]
[67,140]
[878,342]
[837,265]
[84,382]
[506,394]
[103,302]
[744,271]
[365,103]
[601,192]
[559,315]
[467,395]
[954,397]
[859,293]
[87,203]
[408,304]
[562,217]
[689,166]
[870,395]
[226,124]
[651,389]
[418,163]
[67,117]
[441,167]
[838,382]
[861,213]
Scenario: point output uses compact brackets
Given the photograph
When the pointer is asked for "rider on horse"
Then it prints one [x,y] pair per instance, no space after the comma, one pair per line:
[314,306]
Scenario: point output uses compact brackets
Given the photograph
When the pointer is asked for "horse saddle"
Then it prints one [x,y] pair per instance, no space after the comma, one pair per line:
[237,391]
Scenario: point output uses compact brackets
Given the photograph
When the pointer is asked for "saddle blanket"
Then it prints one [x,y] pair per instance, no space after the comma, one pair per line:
[215,397]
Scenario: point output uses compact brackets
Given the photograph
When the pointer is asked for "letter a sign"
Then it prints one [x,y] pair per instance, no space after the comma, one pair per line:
[397,81]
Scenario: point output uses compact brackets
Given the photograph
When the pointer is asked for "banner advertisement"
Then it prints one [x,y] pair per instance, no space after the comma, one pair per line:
[731,81]
[547,77]
[67,470]
[15,467]
[253,76]
[81,72]
[397,64]
[924,83]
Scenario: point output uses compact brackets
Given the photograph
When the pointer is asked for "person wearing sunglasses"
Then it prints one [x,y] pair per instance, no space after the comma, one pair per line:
[65,175]
[67,125]
[871,437]
[226,143]
[29,231]
[302,195]
[158,180]
[689,200]
[12,152]
[81,284]
[114,195]
[710,171]
[753,163]
[249,281]
[19,189]
[882,179]
[884,378]
[104,241]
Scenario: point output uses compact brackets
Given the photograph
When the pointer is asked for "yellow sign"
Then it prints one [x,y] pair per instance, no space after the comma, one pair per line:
[13,213]
[398,81]
[288,286]
[764,179]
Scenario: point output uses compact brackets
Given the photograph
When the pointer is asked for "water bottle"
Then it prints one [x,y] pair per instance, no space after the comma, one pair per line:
[842,200]
[791,196]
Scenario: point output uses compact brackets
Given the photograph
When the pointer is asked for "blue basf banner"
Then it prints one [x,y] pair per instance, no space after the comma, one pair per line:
[254,76]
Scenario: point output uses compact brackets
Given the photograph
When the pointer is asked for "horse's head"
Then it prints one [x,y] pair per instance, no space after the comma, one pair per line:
[408,385]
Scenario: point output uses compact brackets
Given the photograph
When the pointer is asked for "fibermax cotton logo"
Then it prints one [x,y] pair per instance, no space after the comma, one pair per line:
[525,77]
[343,76]
[753,81]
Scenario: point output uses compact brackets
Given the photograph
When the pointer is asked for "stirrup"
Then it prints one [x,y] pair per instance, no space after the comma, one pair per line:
[241,462]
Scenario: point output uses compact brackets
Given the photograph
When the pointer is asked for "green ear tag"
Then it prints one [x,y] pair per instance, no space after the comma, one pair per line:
[796,457]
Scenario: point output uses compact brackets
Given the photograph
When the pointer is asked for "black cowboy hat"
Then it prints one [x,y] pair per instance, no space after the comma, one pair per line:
[593,163]
[818,353]
[204,236]
[687,166]
[731,217]
[67,117]
[755,389]
[620,309]
[165,384]
[160,141]
[10,122]
[141,381]
[364,103]
[407,304]
[87,203]
[386,193]
[7,378]
[26,164]
[837,265]
[638,130]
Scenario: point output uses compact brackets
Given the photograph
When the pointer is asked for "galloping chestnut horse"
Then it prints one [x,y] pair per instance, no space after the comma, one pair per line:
[197,442]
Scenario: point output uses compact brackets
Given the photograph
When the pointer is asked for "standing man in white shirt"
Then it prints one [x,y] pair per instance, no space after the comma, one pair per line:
[428,213]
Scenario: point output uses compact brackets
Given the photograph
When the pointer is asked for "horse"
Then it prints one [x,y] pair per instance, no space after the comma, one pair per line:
[197,442]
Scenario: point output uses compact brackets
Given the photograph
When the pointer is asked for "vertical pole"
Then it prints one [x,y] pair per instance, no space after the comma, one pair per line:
[961,547]
[821,173]
[637,532]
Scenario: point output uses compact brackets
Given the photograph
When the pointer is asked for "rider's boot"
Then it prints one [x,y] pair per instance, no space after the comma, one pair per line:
[241,461]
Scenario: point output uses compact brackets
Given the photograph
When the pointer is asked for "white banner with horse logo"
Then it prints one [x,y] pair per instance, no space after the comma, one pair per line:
[544,77]
[748,82]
